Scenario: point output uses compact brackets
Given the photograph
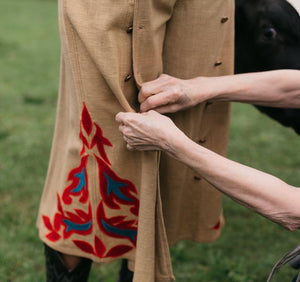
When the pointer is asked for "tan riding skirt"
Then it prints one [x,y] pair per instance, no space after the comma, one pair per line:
[100,200]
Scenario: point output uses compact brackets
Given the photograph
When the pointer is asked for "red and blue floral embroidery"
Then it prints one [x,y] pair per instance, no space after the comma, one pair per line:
[118,191]
[115,192]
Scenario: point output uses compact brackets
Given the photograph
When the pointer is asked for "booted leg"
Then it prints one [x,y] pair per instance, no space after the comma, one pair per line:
[65,268]
[125,274]
[70,262]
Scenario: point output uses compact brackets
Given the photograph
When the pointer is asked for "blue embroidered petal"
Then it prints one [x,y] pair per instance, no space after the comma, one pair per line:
[82,182]
[75,226]
[123,232]
[114,187]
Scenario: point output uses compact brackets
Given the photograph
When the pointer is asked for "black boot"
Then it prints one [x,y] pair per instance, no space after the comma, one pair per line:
[125,274]
[57,272]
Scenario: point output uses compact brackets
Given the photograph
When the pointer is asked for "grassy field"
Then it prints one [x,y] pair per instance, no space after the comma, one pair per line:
[29,67]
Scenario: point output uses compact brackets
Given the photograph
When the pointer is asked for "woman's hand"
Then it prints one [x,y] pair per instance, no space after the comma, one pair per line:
[147,131]
[168,94]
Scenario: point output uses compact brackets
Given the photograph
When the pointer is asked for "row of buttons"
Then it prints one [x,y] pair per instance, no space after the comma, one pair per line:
[223,20]
[130,29]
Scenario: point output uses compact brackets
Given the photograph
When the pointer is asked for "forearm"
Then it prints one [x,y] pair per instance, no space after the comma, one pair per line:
[280,88]
[258,191]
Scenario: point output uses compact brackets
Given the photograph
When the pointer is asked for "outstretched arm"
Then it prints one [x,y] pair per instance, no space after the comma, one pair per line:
[254,189]
[279,88]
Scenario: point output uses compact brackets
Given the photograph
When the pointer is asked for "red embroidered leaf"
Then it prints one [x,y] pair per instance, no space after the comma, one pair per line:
[124,224]
[83,139]
[116,219]
[47,222]
[59,206]
[99,140]
[57,221]
[99,133]
[82,214]
[86,120]
[118,251]
[85,143]
[73,217]
[53,236]
[82,151]
[135,209]
[99,247]
[84,246]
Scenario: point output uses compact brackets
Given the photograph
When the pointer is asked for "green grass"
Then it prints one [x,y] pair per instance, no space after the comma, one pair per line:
[29,70]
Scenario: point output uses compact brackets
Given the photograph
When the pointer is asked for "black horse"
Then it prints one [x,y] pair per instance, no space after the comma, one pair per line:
[268,38]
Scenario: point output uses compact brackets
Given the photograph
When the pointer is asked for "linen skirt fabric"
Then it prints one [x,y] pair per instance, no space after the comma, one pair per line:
[100,200]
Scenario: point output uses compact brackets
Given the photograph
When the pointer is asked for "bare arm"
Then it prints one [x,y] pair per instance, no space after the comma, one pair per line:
[252,188]
[257,190]
[279,88]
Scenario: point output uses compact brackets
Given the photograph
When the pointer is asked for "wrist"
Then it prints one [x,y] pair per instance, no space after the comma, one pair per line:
[204,89]
[178,145]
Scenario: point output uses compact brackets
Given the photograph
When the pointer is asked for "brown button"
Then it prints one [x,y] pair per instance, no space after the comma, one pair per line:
[218,63]
[128,77]
[202,140]
[224,19]
[197,178]
[129,29]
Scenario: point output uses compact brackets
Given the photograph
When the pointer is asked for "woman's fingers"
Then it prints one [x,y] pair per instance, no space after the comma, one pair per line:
[171,108]
[152,87]
[165,102]
[138,129]
[146,131]
[166,90]
[155,101]
[126,118]
[120,116]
